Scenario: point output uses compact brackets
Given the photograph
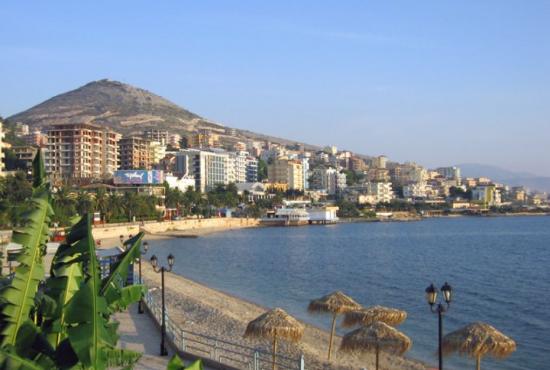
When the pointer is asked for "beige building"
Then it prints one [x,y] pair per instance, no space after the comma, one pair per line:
[203,139]
[287,172]
[134,153]
[81,150]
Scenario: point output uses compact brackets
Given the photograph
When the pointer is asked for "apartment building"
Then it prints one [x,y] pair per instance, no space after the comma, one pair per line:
[288,172]
[81,150]
[210,168]
[135,153]
[153,134]
[203,139]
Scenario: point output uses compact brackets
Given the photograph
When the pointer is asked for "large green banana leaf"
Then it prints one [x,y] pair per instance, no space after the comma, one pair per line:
[91,336]
[18,296]
[63,283]
[112,286]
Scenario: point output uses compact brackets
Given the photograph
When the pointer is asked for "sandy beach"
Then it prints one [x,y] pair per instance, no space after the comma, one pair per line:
[196,307]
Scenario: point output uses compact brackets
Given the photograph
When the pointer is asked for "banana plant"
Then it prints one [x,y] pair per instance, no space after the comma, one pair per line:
[66,324]
[18,297]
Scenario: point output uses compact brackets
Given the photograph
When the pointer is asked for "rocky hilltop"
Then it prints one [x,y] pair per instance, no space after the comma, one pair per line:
[129,110]
[123,107]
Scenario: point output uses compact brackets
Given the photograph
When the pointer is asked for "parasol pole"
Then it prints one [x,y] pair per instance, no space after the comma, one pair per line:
[331,335]
[478,362]
[274,351]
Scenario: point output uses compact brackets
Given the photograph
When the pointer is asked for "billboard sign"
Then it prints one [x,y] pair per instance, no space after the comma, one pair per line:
[138,177]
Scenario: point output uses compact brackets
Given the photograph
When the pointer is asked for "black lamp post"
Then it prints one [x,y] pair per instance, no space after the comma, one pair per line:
[440,309]
[142,252]
[162,269]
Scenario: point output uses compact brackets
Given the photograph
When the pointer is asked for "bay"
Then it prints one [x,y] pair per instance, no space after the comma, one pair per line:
[499,269]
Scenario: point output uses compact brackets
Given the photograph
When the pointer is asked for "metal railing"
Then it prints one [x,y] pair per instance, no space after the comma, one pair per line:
[220,350]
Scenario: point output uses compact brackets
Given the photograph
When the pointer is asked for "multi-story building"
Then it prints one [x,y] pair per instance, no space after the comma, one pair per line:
[415,190]
[81,150]
[286,171]
[2,135]
[157,152]
[153,134]
[328,180]
[210,168]
[450,173]
[25,154]
[135,153]
[357,164]
[304,158]
[36,138]
[203,139]
[379,162]
[174,141]
[489,195]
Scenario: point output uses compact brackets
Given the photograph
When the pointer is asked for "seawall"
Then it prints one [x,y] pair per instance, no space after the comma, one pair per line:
[189,226]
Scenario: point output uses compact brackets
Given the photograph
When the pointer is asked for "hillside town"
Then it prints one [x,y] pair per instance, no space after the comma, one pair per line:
[90,157]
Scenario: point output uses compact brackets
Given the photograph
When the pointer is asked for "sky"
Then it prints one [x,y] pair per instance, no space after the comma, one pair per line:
[436,82]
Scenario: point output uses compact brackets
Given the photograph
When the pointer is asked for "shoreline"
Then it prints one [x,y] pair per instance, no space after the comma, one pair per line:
[197,307]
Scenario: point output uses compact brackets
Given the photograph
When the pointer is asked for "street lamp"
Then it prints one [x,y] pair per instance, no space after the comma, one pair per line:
[142,252]
[121,240]
[440,309]
[162,269]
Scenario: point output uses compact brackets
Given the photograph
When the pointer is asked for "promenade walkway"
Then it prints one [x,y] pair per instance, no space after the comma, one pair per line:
[139,333]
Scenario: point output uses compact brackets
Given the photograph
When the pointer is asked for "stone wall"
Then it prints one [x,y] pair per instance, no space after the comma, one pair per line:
[189,225]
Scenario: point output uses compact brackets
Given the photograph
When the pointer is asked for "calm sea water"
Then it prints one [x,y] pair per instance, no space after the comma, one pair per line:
[499,269]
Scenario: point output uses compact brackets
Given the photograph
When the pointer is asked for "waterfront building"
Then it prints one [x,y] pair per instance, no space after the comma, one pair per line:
[81,150]
[181,183]
[2,135]
[415,190]
[288,172]
[489,195]
[251,169]
[304,158]
[254,190]
[210,168]
[328,179]
[519,194]
[135,153]
[241,162]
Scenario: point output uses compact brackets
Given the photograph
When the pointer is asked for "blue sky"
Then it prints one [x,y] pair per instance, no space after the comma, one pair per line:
[437,82]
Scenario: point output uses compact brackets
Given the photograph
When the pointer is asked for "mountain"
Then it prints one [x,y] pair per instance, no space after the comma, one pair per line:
[529,180]
[129,110]
[125,108]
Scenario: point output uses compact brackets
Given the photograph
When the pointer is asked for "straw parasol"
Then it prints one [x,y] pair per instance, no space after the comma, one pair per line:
[477,340]
[335,303]
[376,337]
[369,315]
[275,324]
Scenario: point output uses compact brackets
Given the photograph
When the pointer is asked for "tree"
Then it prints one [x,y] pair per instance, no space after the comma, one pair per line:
[262,170]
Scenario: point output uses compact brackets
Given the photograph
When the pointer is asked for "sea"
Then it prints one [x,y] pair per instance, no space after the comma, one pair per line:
[499,268]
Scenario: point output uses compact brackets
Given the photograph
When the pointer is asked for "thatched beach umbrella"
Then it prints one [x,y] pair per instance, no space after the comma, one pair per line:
[335,303]
[369,315]
[275,324]
[376,337]
[477,340]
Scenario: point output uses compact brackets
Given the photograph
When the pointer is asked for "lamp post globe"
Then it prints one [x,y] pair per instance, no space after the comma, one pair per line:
[447,291]
[431,294]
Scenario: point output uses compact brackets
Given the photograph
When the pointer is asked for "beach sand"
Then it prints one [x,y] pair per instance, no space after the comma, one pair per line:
[198,308]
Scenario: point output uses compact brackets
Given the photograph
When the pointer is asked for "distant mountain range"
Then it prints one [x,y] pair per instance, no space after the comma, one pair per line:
[126,109]
[529,180]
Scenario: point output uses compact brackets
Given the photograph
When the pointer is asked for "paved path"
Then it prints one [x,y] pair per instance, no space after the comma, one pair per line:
[139,333]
